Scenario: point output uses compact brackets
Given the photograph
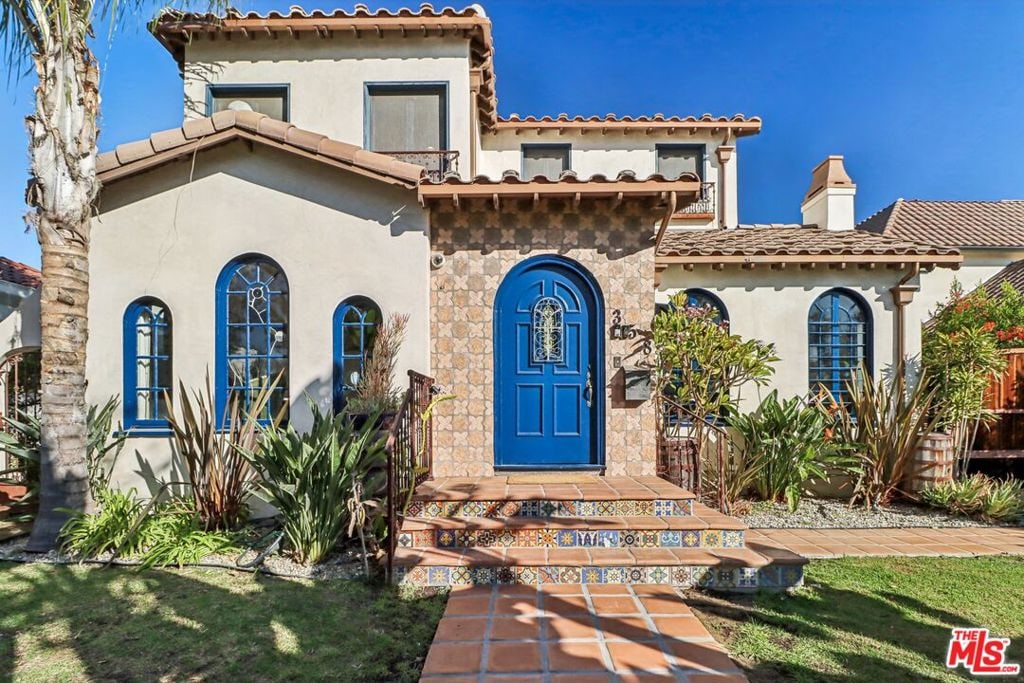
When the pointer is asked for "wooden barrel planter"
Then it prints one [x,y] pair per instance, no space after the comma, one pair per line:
[932,463]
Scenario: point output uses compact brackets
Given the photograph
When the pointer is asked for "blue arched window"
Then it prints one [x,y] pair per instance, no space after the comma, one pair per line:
[148,378]
[701,298]
[355,328]
[252,332]
[838,339]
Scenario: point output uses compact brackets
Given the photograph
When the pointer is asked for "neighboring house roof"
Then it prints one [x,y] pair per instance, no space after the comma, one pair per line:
[175,29]
[568,184]
[19,273]
[995,224]
[796,244]
[1013,274]
[197,134]
[738,124]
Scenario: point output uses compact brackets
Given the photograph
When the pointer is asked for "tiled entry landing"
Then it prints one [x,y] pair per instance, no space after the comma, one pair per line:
[574,634]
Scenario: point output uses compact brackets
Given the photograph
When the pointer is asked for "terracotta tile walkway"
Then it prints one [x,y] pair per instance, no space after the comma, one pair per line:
[911,542]
[574,634]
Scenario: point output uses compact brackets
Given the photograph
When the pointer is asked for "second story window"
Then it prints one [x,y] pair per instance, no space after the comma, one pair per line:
[546,160]
[674,160]
[407,117]
[271,100]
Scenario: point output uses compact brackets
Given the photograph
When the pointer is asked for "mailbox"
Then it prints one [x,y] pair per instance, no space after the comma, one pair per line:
[637,383]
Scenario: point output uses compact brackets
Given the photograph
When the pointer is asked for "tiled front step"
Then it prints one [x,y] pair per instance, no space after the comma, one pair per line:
[550,508]
[591,489]
[724,569]
[570,532]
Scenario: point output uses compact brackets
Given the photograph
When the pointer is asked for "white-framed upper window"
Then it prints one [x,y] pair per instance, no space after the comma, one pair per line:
[547,161]
[269,99]
[674,160]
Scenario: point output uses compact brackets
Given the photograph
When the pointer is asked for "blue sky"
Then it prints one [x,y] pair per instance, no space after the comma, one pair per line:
[923,97]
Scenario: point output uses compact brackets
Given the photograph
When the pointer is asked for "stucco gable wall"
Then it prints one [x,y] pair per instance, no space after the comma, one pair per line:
[480,246]
[772,306]
[335,235]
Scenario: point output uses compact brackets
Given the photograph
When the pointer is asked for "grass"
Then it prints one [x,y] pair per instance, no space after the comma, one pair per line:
[72,623]
[881,619]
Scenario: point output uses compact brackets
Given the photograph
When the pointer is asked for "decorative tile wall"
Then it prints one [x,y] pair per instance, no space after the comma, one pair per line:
[481,244]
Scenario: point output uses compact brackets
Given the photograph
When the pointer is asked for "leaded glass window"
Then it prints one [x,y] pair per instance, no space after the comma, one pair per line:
[147,370]
[355,328]
[253,316]
[839,341]
[548,330]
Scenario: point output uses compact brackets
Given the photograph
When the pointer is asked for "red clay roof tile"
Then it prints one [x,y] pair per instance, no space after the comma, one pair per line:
[966,224]
[19,273]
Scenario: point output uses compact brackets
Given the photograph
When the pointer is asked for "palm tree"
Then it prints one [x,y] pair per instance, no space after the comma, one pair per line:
[53,36]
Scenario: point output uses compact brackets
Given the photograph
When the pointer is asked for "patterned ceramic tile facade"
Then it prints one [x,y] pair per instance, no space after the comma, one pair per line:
[737,579]
[568,538]
[480,245]
[551,508]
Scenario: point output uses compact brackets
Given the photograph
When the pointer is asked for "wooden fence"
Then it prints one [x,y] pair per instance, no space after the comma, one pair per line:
[1005,397]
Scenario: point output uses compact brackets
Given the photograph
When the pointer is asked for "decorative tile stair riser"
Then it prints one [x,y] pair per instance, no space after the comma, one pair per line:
[733,579]
[493,509]
[568,538]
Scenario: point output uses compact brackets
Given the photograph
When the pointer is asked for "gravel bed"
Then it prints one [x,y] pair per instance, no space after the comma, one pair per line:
[837,514]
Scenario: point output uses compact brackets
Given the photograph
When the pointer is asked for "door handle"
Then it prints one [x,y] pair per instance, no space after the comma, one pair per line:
[588,391]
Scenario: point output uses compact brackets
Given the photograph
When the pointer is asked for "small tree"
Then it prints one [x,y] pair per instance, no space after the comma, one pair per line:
[701,366]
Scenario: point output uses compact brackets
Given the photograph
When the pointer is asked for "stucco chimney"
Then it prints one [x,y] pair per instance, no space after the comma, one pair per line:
[829,202]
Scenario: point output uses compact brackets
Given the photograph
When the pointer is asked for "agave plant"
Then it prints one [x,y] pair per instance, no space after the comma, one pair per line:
[323,482]
[212,445]
[884,423]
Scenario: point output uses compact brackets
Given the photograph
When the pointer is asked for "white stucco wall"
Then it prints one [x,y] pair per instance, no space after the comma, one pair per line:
[978,266]
[327,78]
[594,153]
[20,328]
[772,306]
[335,234]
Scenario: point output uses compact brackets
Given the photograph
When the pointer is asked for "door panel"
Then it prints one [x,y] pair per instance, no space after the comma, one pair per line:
[546,350]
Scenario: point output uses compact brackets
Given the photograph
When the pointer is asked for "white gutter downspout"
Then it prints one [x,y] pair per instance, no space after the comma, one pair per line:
[902,295]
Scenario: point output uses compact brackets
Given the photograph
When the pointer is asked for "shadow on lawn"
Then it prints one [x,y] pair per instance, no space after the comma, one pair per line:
[842,628]
[74,623]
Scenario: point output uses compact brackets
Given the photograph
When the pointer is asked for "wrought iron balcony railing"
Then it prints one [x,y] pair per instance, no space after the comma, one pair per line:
[704,205]
[437,162]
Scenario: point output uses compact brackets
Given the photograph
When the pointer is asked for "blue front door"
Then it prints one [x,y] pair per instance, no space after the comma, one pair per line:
[548,367]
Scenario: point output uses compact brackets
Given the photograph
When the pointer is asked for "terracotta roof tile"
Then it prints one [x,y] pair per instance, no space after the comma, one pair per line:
[19,273]
[998,224]
[167,145]
[776,243]
[567,184]
[658,123]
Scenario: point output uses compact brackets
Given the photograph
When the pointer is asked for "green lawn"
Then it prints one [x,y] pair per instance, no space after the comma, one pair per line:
[78,623]
[876,620]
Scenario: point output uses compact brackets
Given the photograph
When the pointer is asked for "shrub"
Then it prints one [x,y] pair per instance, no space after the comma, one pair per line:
[324,482]
[884,425]
[785,444]
[220,476]
[123,525]
[978,494]
[375,391]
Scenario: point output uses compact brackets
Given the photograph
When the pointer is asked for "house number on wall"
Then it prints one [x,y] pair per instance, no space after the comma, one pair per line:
[620,330]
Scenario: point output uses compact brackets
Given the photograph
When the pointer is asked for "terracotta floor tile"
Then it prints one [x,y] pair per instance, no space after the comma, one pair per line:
[516,628]
[681,627]
[469,606]
[608,589]
[561,589]
[582,678]
[460,592]
[517,591]
[615,604]
[512,657]
[461,628]
[570,627]
[655,589]
[629,656]
[566,604]
[638,677]
[706,656]
[575,656]
[510,607]
[666,604]
[453,658]
[626,628]
[715,678]
[448,678]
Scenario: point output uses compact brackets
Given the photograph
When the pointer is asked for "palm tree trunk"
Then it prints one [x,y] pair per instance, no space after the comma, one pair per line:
[62,190]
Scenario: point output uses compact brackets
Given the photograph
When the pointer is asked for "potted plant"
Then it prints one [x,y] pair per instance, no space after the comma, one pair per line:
[375,393]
